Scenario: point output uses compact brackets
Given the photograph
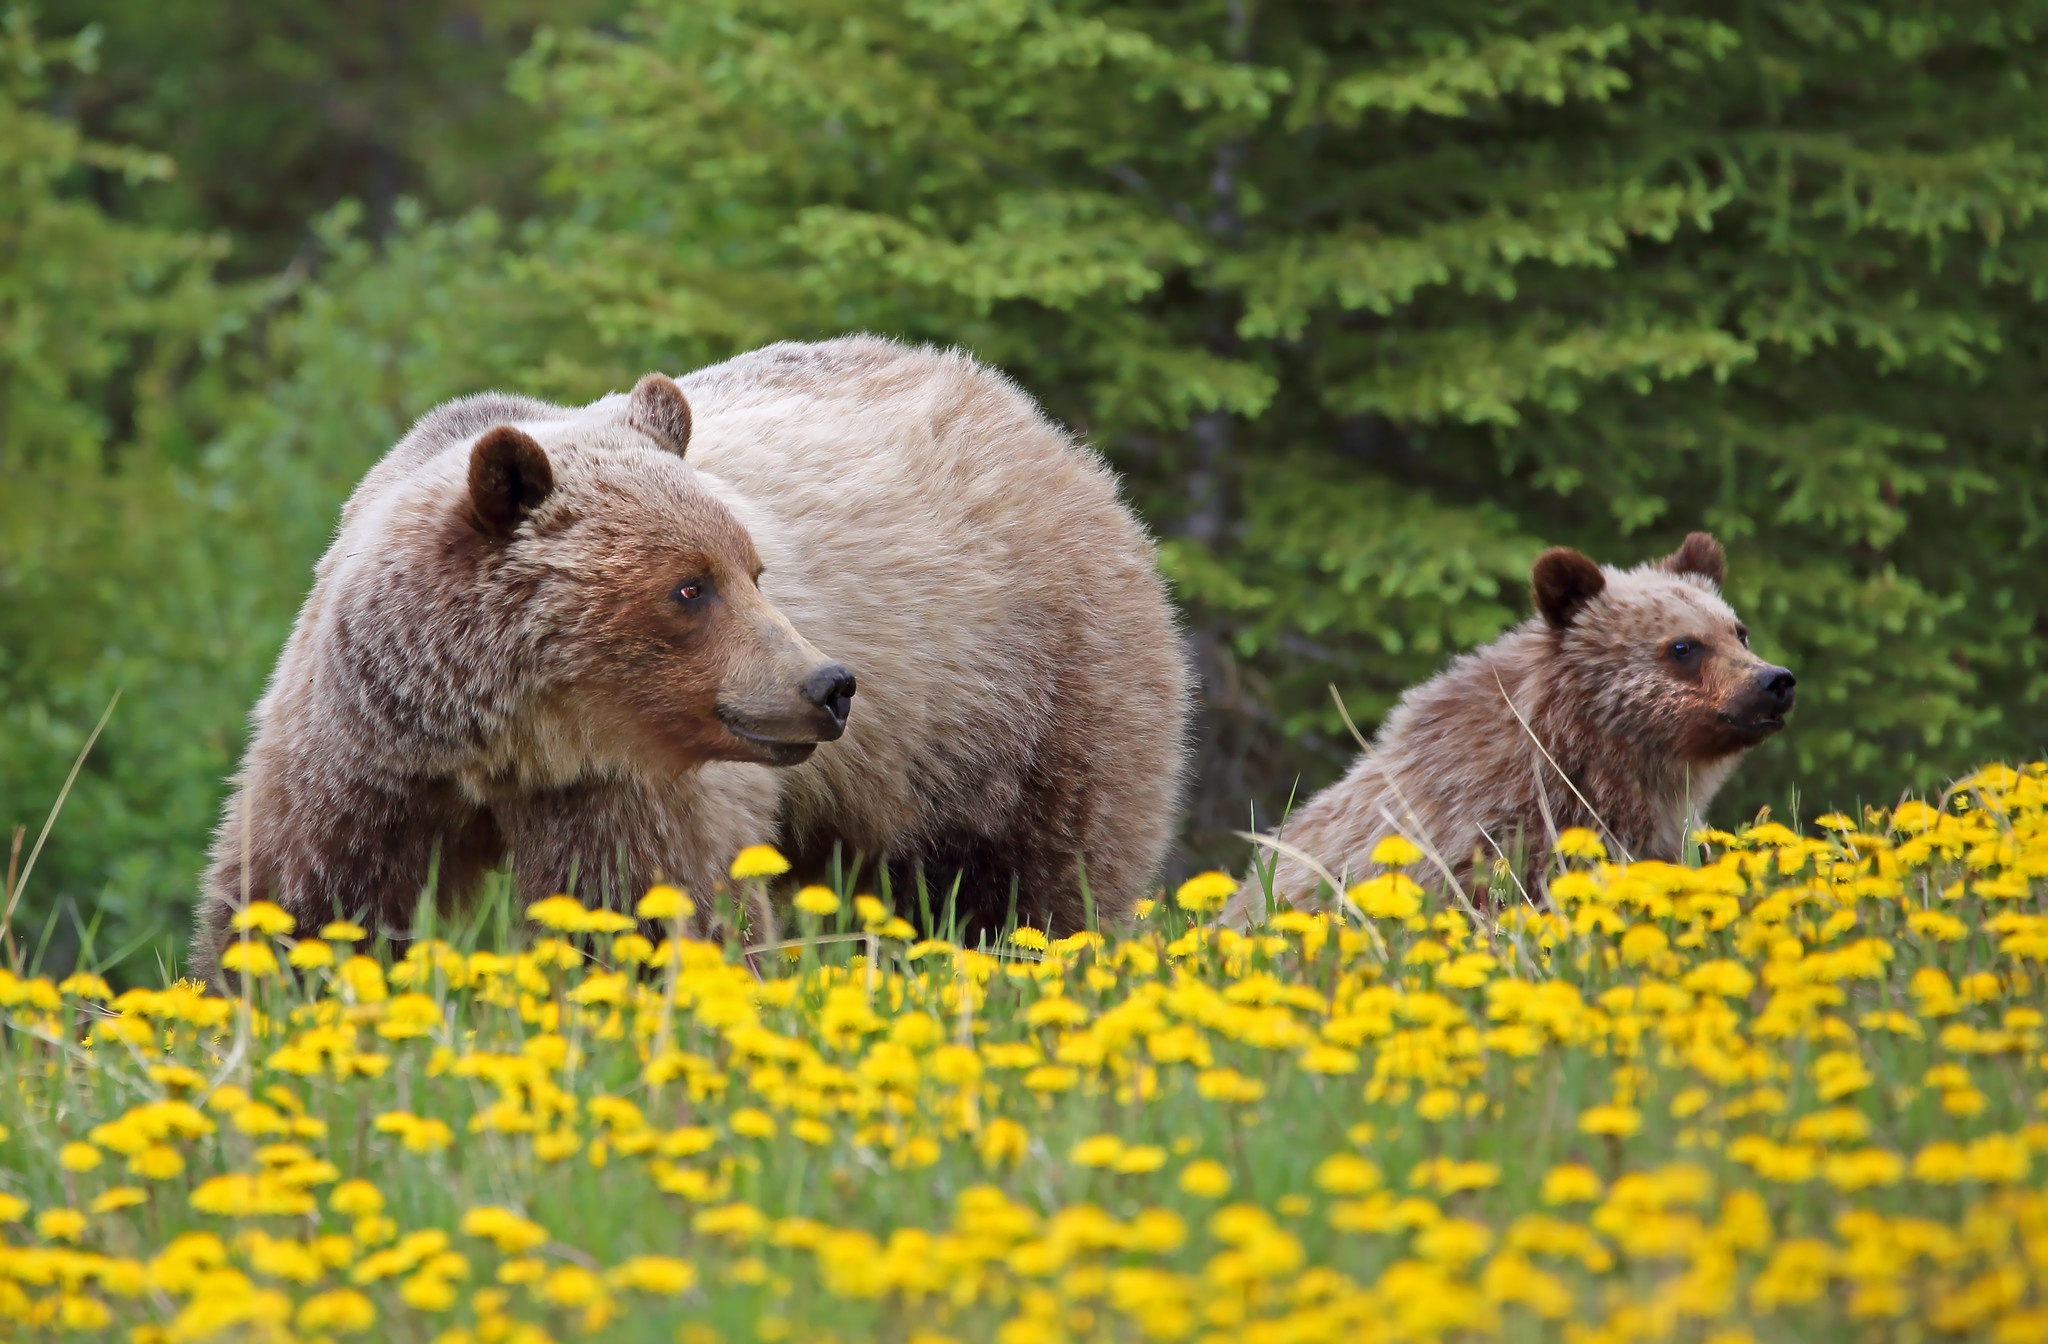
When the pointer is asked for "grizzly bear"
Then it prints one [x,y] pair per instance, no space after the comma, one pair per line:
[1623,704]
[853,594]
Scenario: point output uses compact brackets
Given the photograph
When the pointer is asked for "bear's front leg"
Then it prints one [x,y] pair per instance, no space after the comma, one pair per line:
[334,843]
[606,840]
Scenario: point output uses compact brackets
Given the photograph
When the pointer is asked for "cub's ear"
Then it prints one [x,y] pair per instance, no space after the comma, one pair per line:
[509,476]
[1699,554]
[659,410]
[1562,583]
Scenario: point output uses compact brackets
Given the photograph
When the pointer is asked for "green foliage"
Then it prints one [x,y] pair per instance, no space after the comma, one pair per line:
[1368,304]
[276,111]
[92,310]
[100,321]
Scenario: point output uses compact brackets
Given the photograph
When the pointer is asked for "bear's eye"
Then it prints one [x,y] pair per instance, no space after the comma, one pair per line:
[1742,633]
[1682,649]
[692,591]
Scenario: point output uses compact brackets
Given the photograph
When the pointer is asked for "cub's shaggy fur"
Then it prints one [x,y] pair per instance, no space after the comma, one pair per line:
[1623,704]
[539,635]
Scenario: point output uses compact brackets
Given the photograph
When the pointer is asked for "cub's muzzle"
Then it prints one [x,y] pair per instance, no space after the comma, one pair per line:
[1774,691]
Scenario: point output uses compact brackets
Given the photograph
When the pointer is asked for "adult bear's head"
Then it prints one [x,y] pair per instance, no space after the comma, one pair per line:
[642,589]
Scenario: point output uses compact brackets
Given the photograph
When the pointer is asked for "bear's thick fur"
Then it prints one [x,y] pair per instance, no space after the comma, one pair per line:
[538,635]
[1623,705]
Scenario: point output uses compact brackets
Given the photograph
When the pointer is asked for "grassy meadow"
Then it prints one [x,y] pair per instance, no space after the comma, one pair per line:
[1792,1092]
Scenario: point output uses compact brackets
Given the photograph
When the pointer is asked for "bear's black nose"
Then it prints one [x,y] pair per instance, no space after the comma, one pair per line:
[1776,684]
[831,689]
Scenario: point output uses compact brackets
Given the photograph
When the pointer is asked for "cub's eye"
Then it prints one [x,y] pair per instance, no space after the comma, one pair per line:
[1742,633]
[691,591]
[1682,649]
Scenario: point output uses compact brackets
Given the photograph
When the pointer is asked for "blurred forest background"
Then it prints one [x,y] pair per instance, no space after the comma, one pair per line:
[1369,302]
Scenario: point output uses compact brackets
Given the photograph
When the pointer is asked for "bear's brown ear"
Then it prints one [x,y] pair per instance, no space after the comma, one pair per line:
[1562,583]
[659,410]
[509,476]
[1699,554]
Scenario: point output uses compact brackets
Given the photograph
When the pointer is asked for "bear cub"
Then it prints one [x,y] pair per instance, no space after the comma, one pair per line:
[1623,704]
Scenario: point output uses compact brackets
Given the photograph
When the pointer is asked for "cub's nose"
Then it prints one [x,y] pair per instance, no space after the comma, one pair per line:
[831,689]
[1775,684]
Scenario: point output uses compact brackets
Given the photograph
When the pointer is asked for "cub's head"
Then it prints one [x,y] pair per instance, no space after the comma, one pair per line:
[1660,658]
[644,590]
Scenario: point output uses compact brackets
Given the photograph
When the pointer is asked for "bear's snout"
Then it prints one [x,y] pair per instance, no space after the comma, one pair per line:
[780,720]
[1774,690]
[1759,707]
[831,689]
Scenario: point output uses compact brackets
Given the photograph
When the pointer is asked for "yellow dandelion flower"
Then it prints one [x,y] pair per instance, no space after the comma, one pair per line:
[1051,1078]
[427,1292]
[1002,1141]
[1396,851]
[1862,1169]
[60,1224]
[78,1157]
[84,985]
[1620,1121]
[254,960]
[1346,1174]
[1205,1178]
[1329,1059]
[663,1275]
[263,917]
[1579,843]
[758,861]
[77,1312]
[1100,1151]
[344,1311]
[563,914]
[1141,1158]
[1388,896]
[157,1162]
[510,1233]
[750,1123]
[1228,1085]
[1205,892]
[1456,1241]
[816,901]
[524,1269]
[310,954]
[343,931]
[663,902]
[557,1146]
[1570,1183]
[118,1197]
[570,1286]
[364,978]
[1643,944]
[352,1198]
[1026,936]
